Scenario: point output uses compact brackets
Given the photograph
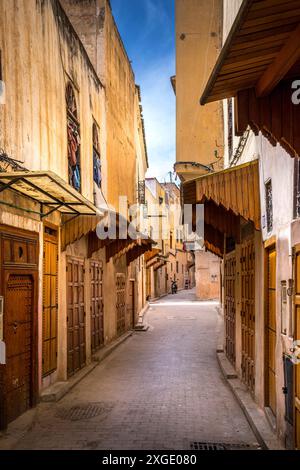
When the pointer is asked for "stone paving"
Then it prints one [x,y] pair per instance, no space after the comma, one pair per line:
[161,389]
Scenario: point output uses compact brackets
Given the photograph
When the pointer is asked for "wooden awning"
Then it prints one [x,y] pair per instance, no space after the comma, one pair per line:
[150,256]
[159,264]
[261,49]
[116,248]
[73,230]
[235,189]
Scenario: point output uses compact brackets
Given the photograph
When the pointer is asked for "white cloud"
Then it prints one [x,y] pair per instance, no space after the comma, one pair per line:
[159,112]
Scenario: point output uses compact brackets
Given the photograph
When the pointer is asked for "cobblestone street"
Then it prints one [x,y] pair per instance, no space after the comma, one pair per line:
[161,389]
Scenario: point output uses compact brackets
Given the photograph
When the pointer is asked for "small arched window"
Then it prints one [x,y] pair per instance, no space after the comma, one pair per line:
[73,130]
[96,156]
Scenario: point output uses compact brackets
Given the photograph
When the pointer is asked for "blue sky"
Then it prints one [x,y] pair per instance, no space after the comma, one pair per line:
[147,29]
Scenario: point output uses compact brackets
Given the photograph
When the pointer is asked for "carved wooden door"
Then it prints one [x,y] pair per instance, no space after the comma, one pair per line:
[75,315]
[18,333]
[97,321]
[230,305]
[271,330]
[248,312]
[50,301]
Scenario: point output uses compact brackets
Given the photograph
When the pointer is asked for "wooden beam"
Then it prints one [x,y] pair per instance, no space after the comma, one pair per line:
[276,71]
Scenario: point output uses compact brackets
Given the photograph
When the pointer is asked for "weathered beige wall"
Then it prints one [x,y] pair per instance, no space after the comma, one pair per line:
[40,54]
[97,30]
[198,42]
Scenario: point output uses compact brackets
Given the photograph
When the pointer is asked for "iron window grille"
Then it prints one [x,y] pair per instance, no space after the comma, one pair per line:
[230,129]
[142,192]
[97,175]
[269,205]
[73,132]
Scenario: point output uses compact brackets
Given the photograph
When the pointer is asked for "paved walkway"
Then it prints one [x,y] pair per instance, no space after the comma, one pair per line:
[159,390]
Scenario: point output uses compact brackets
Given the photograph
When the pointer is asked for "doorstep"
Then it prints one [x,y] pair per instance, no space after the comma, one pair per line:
[254,414]
[58,390]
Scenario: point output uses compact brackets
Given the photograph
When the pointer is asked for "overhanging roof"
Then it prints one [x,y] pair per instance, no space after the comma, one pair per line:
[236,190]
[261,49]
[46,188]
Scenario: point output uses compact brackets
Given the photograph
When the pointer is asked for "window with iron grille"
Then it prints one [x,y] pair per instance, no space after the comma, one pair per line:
[73,130]
[297,189]
[141,192]
[269,205]
[230,129]
[96,156]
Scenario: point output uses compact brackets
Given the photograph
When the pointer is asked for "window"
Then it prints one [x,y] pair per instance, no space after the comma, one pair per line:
[73,139]
[96,157]
[177,267]
[142,192]
[171,240]
[182,269]
[269,205]
[230,129]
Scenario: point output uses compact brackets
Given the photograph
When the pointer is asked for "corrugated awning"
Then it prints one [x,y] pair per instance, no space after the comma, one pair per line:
[49,190]
[261,49]
[227,195]
[159,264]
[150,256]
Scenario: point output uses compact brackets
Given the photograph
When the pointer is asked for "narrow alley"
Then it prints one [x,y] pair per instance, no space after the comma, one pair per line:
[161,389]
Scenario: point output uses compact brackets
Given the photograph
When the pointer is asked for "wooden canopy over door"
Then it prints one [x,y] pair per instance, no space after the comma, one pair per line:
[97,319]
[50,300]
[297,336]
[229,304]
[76,315]
[248,312]
[271,330]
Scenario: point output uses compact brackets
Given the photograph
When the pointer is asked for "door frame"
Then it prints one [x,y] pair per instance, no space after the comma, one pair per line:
[269,245]
[27,270]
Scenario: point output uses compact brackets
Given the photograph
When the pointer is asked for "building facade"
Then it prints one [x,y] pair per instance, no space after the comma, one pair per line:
[251,207]
[60,175]
[168,261]
[199,132]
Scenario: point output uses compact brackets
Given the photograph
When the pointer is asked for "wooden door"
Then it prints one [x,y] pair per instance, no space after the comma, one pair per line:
[50,301]
[121,303]
[271,330]
[297,337]
[97,319]
[75,315]
[148,283]
[131,304]
[230,305]
[248,313]
[18,334]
